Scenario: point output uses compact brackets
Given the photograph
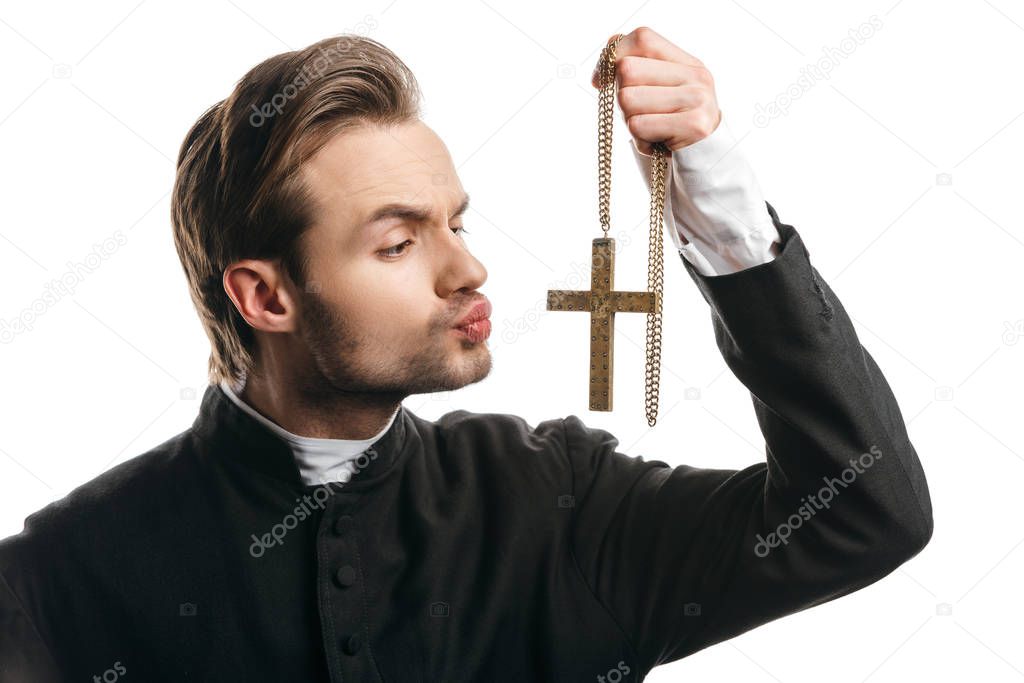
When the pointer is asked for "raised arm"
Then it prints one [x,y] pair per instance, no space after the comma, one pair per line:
[685,557]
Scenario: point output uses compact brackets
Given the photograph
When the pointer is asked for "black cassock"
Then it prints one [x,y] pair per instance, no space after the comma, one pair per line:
[477,547]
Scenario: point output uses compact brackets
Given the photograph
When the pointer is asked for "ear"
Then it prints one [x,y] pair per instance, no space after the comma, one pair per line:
[259,292]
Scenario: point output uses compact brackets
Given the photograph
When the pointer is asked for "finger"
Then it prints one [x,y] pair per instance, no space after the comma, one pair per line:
[654,99]
[676,130]
[633,70]
[646,42]
[645,71]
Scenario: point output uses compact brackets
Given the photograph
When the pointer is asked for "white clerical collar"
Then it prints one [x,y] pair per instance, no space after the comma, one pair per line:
[319,460]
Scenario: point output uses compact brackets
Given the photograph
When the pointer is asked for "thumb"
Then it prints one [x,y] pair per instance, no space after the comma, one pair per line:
[595,78]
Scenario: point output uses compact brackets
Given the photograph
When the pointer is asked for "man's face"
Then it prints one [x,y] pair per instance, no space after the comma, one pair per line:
[385,290]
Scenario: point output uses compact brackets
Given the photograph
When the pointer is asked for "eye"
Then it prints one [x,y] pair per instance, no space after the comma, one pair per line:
[390,251]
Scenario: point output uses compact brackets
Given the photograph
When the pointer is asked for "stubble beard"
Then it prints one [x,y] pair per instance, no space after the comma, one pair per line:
[337,366]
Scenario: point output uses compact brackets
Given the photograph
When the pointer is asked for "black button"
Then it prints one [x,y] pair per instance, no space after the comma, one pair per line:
[353,644]
[342,525]
[345,576]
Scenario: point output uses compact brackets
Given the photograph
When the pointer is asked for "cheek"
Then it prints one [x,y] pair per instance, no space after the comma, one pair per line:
[389,297]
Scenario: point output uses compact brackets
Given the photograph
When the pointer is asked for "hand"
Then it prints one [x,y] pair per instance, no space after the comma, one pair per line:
[665,94]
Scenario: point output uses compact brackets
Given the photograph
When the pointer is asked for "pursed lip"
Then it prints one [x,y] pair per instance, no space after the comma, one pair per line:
[480,311]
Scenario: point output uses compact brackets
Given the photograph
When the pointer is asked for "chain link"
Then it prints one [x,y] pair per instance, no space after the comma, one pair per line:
[655,260]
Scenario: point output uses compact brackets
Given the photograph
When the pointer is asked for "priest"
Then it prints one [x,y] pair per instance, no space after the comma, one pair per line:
[310,527]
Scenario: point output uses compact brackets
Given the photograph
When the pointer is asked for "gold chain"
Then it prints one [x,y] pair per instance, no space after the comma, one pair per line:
[659,162]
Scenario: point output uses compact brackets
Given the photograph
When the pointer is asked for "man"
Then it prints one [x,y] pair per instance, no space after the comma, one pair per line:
[310,527]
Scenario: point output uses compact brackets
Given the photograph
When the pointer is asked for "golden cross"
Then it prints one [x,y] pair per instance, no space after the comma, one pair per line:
[602,302]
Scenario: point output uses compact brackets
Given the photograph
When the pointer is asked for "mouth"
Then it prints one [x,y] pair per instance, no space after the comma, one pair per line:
[476,324]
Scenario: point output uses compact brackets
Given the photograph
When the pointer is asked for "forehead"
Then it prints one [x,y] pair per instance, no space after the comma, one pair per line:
[361,169]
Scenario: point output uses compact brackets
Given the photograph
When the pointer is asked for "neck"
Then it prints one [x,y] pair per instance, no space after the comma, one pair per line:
[327,414]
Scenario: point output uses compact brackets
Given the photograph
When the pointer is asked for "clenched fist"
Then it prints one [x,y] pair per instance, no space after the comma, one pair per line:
[665,93]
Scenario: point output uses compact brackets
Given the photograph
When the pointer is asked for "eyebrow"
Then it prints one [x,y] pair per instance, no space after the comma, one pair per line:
[409,212]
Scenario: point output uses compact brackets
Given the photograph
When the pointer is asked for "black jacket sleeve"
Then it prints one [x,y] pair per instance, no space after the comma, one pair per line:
[686,557]
[24,657]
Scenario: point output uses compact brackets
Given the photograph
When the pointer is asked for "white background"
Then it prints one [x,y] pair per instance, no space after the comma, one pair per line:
[97,98]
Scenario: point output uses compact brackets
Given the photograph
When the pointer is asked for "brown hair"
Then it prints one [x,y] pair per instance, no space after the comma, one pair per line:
[237,193]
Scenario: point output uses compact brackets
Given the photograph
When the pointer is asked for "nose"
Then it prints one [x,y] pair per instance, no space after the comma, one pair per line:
[459,269]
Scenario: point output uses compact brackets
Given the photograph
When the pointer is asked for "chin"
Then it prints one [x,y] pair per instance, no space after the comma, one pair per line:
[476,365]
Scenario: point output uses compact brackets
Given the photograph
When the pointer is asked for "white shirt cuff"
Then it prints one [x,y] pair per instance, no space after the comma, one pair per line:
[715,213]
